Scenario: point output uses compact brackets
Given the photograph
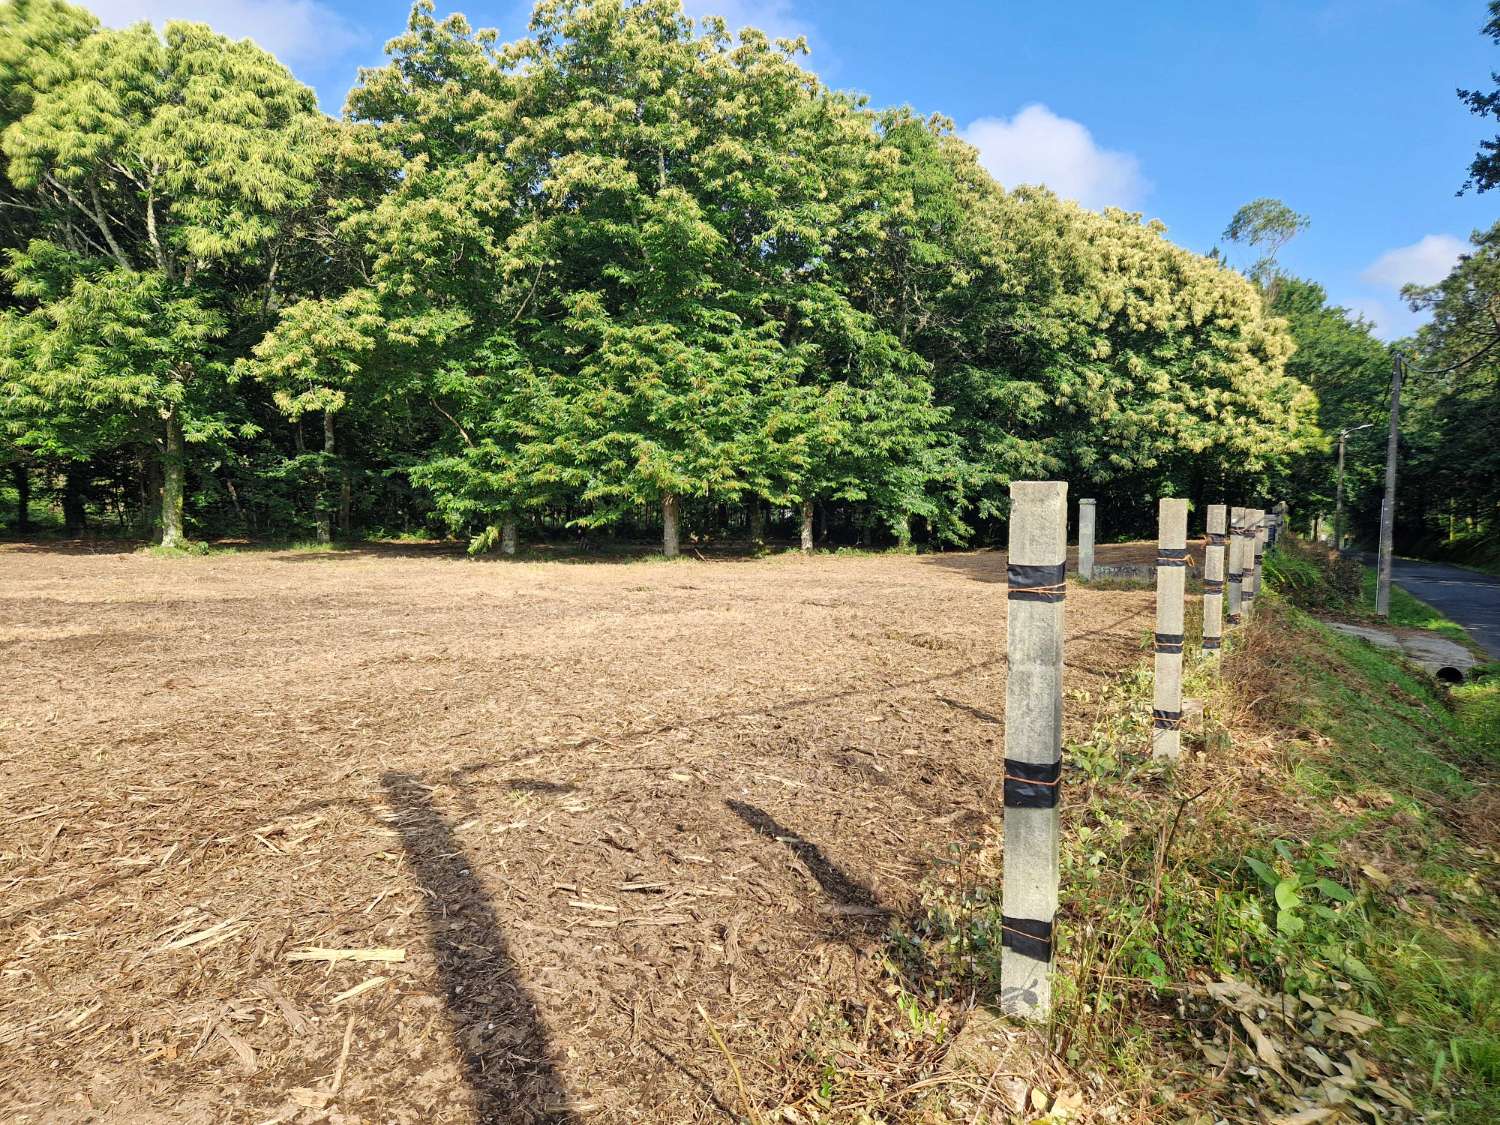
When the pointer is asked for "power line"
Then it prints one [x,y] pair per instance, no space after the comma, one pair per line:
[1452,366]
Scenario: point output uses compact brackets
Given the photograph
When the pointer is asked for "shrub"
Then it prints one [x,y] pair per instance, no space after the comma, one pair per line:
[1312,576]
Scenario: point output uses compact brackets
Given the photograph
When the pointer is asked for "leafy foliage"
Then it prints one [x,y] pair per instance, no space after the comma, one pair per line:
[1267,225]
[173,171]
[1484,172]
[629,263]
[1455,393]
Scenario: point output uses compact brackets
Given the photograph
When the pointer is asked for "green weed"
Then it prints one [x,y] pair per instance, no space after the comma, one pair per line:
[1409,612]
[189,549]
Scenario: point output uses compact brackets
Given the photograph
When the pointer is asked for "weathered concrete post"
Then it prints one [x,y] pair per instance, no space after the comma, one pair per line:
[1259,525]
[1171,575]
[1213,580]
[1236,563]
[1254,519]
[1086,513]
[1033,742]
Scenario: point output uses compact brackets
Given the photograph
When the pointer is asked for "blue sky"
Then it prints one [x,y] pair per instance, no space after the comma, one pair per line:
[1184,110]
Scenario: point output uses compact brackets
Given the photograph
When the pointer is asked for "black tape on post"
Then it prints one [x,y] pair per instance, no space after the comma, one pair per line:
[1036,583]
[1027,937]
[1032,785]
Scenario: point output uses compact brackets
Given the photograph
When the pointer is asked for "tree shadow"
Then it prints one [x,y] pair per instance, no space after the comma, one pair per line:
[987,565]
[609,554]
[45,545]
[492,1017]
[353,550]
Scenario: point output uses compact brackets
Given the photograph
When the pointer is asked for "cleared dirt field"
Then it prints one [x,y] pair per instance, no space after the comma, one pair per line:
[584,799]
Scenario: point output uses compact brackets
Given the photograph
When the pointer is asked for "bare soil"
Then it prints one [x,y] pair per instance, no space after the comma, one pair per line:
[598,806]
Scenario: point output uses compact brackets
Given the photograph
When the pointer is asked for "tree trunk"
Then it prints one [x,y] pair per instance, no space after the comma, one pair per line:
[22,476]
[74,516]
[807,525]
[325,501]
[669,514]
[346,503]
[757,523]
[173,484]
[234,498]
[508,536]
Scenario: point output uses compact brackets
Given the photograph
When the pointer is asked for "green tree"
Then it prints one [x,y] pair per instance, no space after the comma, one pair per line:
[32,33]
[1265,225]
[697,191]
[443,229]
[179,166]
[1454,411]
[628,264]
[319,358]
[1484,172]
[1349,370]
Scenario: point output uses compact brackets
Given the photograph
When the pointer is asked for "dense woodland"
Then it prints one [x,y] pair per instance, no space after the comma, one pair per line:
[632,276]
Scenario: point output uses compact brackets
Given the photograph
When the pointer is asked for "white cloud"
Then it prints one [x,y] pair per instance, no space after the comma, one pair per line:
[295,31]
[1037,146]
[1425,262]
[1377,312]
[776,18]
[1390,320]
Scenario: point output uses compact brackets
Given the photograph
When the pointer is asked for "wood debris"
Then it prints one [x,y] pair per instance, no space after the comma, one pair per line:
[347,955]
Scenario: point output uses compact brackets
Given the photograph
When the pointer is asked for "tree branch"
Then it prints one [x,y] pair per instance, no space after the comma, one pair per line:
[456,426]
[96,215]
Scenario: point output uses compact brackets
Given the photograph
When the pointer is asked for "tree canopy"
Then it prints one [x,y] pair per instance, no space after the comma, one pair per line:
[1455,393]
[1484,172]
[629,270]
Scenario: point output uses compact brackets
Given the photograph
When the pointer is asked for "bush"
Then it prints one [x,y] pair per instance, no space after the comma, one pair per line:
[1312,576]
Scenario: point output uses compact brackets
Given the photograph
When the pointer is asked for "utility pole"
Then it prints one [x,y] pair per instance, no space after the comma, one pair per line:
[1338,503]
[1388,505]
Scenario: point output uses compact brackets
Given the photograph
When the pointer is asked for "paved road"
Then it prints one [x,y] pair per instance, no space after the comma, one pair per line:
[1469,597]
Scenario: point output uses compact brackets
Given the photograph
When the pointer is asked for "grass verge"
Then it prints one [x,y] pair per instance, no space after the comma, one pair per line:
[1313,578]
[1409,612]
[1294,923]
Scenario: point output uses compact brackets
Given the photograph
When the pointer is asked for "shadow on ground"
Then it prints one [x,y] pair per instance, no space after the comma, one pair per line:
[47,545]
[492,1017]
[572,554]
[982,566]
[849,897]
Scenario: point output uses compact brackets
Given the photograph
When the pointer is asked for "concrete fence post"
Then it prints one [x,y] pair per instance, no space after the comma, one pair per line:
[1213,580]
[1236,565]
[1037,568]
[1248,575]
[1171,575]
[1259,525]
[1086,516]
